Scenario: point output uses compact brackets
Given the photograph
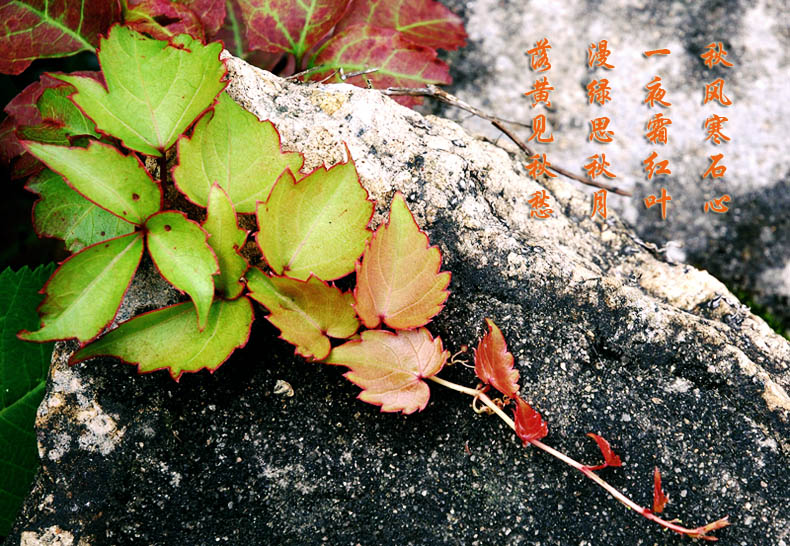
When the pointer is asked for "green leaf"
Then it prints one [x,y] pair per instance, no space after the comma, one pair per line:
[23,371]
[154,90]
[233,148]
[117,183]
[61,119]
[179,249]
[169,338]
[63,213]
[226,239]
[305,312]
[317,225]
[85,292]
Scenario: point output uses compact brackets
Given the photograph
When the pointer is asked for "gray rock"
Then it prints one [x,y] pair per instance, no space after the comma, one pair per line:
[748,248]
[659,358]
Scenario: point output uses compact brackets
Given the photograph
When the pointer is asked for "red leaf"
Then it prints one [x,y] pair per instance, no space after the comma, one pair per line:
[235,41]
[399,62]
[529,424]
[163,19]
[287,26]
[660,499]
[494,364]
[210,12]
[390,368]
[398,281]
[424,22]
[36,29]
[609,456]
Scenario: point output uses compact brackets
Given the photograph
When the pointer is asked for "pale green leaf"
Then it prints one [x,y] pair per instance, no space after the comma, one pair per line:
[84,294]
[226,239]
[117,183]
[232,148]
[63,213]
[61,119]
[317,225]
[169,338]
[154,90]
[307,313]
[179,249]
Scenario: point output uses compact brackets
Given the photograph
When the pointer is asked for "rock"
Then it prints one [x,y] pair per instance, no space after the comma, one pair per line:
[747,248]
[659,358]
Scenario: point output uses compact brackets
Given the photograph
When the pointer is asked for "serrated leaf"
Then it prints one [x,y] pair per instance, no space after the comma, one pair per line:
[306,312]
[494,363]
[118,183]
[398,281]
[529,424]
[291,27]
[176,18]
[390,367]
[154,90]
[181,254]
[424,22]
[40,29]
[63,213]
[226,239]
[660,498]
[317,225]
[233,148]
[398,62]
[170,339]
[610,458]
[83,295]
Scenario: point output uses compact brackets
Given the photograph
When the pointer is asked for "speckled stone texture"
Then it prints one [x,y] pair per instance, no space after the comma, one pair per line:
[659,358]
[748,248]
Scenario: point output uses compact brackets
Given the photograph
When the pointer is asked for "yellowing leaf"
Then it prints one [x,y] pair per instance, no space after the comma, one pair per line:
[494,363]
[317,225]
[306,312]
[232,148]
[390,367]
[170,339]
[398,281]
[225,239]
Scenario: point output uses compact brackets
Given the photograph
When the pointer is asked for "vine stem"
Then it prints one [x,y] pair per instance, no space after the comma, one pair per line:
[699,532]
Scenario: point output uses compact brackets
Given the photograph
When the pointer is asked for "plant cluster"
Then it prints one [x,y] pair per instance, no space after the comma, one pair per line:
[310,231]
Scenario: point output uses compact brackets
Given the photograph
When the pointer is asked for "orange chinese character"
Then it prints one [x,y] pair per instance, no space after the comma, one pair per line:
[538,128]
[539,59]
[598,130]
[538,165]
[598,91]
[656,52]
[651,200]
[658,168]
[599,203]
[655,93]
[597,54]
[539,204]
[597,167]
[713,125]
[715,91]
[657,129]
[714,55]
[715,170]
[540,92]
[717,205]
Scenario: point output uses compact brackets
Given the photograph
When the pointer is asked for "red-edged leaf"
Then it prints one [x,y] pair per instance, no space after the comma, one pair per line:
[163,19]
[398,281]
[529,424]
[609,456]
[38,29]
[660,499]
[399,62]
[390,367]
[424,22]
[494,364]
[288,26]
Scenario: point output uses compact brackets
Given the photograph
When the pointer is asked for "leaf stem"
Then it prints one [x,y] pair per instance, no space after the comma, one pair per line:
[699,532]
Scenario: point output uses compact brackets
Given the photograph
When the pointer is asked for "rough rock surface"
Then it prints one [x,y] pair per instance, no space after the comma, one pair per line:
[748,248]
[659,358]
